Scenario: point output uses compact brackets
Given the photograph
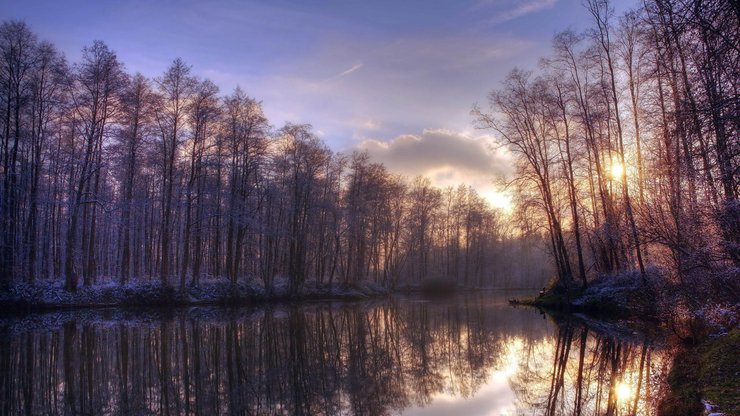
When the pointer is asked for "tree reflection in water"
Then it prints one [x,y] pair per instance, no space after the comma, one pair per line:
[582,372]
[390,357]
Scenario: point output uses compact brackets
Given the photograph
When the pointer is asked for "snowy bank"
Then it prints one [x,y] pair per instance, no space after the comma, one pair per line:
[51,295]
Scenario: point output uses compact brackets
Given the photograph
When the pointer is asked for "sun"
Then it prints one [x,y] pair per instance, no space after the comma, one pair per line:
[498,199]
[623,391]
[617,170]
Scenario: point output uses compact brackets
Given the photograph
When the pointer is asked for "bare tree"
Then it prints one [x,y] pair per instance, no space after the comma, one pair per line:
[138,102]
[98,80]
[18,51]
[245,130]
[177,88]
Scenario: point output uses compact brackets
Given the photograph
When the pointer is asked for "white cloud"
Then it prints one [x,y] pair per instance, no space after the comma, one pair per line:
[438,148]
[505,10]
[447,158]
[349,71]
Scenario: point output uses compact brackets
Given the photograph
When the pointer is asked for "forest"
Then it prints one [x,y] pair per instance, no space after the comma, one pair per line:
[627,150]
[113,177]
[625,145]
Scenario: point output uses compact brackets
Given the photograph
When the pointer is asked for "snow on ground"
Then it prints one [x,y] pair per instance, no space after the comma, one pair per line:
[152,292]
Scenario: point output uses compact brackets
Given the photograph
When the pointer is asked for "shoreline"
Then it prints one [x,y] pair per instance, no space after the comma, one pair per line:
[25,298]
[49,297]
[703,374]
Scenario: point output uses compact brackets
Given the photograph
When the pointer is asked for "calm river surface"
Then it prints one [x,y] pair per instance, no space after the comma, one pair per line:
[463,355]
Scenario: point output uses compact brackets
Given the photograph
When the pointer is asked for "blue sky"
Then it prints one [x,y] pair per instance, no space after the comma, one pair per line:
[380,75]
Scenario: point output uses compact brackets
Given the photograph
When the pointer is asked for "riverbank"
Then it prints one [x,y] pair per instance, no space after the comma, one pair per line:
[623,296]
[23,298]
[50,295]
[705,375]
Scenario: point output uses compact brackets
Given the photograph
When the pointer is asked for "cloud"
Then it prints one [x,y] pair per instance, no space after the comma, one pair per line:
[349,71]
[447,158]
[435,149]
[506,10]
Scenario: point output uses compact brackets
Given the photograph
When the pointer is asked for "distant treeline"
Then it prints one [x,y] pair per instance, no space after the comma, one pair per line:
[627,143]
[104,174]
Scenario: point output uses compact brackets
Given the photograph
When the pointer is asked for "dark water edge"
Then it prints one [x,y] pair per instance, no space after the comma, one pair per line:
[22,299]
[463,354]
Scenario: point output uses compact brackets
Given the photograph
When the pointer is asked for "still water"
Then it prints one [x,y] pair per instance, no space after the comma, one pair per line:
[465,355]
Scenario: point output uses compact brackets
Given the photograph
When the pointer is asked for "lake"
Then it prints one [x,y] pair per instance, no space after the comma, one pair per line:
[460,355]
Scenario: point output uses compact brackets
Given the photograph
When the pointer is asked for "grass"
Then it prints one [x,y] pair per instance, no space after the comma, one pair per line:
[719,372]
[709,371]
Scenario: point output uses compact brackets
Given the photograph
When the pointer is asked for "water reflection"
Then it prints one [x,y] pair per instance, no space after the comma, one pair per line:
[584,372]
[468,355]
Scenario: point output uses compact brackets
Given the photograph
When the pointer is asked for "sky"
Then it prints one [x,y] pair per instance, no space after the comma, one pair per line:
[395,78]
